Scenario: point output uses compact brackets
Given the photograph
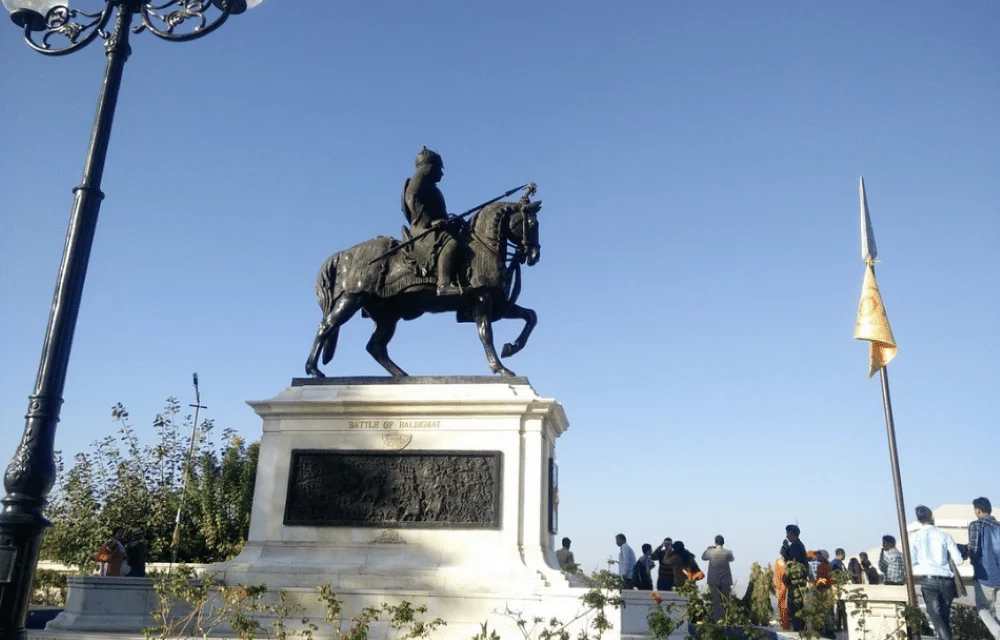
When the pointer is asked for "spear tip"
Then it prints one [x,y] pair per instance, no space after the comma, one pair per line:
[869,250]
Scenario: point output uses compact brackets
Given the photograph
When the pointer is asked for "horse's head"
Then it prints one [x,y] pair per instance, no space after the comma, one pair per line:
[522,230]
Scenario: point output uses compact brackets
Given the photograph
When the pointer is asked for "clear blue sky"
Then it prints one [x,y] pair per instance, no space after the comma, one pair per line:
[700,271]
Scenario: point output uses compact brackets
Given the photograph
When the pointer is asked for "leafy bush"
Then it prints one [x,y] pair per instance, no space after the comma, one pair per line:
[967,625]
[49,588]
[121,482]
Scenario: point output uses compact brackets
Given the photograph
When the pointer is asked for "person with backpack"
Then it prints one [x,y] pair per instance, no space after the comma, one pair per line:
[642,576]
[984,553]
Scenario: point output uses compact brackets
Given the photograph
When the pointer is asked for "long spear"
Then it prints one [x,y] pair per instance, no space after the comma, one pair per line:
[471,211]
[176,541]
[873,326]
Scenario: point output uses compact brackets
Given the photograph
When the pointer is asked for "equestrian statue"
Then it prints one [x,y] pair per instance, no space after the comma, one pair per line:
[444,263]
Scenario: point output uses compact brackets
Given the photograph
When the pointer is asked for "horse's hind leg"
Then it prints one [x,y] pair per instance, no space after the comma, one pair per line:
[328,330]
[530,320]
[385,328]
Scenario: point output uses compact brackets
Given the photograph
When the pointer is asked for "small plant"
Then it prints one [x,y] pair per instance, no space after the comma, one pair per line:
[238,606]
[404,618]
[282,612]
[659,619]
[603,593]
[49,588]
[967,625]
[758,595]
[486,634]
[736,616]
[856,600]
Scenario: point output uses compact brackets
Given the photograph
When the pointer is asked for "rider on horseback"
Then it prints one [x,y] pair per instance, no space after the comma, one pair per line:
[424,208]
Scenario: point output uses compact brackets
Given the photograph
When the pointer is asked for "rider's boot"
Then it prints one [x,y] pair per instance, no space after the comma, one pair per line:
[446,284]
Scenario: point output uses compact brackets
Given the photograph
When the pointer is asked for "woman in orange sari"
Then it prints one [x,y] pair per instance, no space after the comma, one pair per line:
[781,590]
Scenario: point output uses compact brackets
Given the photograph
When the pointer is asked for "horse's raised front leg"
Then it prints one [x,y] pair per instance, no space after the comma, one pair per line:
[484,304]
[530,320]
[385,328]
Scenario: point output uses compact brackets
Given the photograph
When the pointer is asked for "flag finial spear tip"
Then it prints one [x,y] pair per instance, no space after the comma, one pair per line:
[869,250]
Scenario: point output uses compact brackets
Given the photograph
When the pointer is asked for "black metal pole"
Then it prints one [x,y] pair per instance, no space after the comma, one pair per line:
[897,483]
[31,472]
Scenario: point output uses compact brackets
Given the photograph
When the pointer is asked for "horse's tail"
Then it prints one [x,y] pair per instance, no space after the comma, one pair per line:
[328,291]
[330,345]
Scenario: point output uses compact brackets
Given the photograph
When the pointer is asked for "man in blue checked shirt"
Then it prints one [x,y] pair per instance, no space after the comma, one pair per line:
[890,562]
[930,549]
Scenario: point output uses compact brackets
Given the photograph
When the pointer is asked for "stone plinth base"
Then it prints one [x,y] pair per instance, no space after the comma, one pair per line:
[107,604]
[434,484]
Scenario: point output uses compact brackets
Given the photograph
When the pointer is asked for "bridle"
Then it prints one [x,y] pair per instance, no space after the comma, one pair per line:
[521,251]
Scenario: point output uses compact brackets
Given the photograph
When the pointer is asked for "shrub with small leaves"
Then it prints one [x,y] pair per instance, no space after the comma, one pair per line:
[967,625]
[49,588]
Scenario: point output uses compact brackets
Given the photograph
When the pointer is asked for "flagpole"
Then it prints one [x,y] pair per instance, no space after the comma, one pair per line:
[897,484]
[873,326]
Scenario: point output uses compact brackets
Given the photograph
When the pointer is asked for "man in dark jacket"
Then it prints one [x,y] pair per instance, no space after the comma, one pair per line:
[984,552]
[792,550]
[665,573]
[135,554]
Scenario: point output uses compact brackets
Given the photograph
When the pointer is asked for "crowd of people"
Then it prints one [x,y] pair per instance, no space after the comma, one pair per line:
[934,555]
[674,565]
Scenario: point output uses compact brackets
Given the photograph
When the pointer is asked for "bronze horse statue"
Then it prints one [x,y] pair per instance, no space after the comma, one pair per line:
[391,289]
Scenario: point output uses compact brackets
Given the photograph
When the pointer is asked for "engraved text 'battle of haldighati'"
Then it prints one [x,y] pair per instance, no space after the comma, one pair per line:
[415,489]
[405,423]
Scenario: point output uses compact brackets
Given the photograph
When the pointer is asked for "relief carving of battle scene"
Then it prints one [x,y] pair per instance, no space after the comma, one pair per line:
[419,489]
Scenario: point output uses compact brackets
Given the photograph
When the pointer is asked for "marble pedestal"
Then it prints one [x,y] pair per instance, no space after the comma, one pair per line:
[425,484]
[438,491]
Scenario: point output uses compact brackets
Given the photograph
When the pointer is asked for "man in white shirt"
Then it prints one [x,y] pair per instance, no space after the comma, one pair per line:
[930,549]
[626,560]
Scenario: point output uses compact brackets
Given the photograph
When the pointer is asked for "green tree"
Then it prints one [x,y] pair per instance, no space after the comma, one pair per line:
[120,482]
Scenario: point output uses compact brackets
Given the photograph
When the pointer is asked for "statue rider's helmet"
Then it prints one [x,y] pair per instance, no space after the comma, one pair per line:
[428,158]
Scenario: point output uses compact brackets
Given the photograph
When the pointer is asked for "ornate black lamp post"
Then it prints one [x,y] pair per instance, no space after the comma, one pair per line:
[31,471]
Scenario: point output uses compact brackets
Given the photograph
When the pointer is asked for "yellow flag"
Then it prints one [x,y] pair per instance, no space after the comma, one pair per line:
[873,324]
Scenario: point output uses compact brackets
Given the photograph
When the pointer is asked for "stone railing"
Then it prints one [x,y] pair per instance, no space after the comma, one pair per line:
[884,618]
[632,617]
[162,567]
